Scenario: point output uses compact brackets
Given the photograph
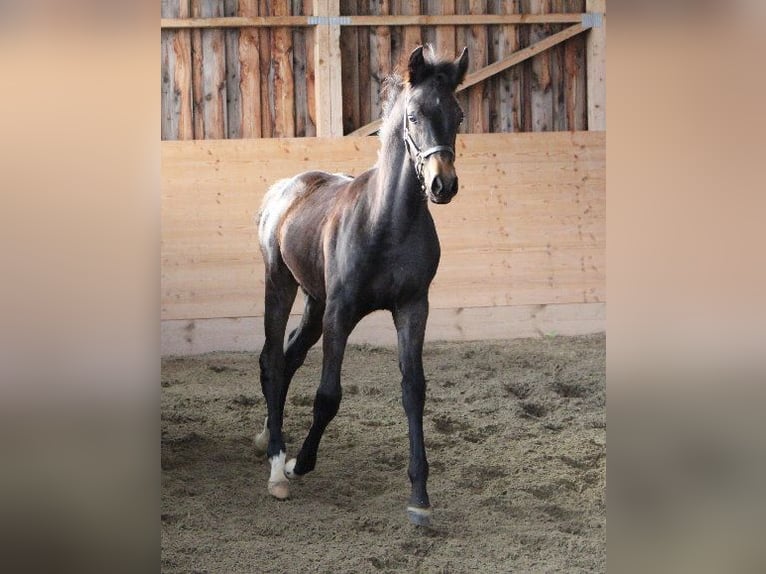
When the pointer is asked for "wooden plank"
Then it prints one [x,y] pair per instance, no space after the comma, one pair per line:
[541,94]
[380,59]
[249,75]
[212,100]
[233,80]
[169,103]
[575,79]
[336,79]
[302,120]
[282,60]
[183,77]
[238,334]
[596,62]
[267,75]
[197,83]
[536,211]
[445,35]
[412,36]
[462,40]
[327,72]
[349,50]
[308,8]
[496,67]
[373,20]
[478,108]
[557,74]
[365,88]
[509,81]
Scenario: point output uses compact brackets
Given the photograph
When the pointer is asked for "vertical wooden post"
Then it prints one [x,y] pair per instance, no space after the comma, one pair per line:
[327,71]
[596,65]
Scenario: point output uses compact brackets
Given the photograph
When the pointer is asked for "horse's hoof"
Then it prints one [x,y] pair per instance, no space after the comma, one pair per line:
[290,470]
[419,516]
[261,443]
[279,490]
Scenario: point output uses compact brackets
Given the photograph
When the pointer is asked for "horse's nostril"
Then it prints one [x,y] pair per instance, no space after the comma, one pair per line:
[436,185]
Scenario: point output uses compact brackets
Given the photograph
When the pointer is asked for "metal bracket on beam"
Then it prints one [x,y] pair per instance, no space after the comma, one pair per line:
[592,20]
[329,20]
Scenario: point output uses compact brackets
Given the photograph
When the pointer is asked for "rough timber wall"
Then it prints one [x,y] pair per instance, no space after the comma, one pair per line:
[228,81]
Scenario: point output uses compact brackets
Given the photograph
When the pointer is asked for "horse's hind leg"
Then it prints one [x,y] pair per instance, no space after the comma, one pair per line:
[281,289]
[336,327]
[302,339]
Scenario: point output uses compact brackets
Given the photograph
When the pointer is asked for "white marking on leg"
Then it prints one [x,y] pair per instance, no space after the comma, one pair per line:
[278,485]
[262,439]
[290,469]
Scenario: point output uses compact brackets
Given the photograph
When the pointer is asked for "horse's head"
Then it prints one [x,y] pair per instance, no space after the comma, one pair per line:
[432,116]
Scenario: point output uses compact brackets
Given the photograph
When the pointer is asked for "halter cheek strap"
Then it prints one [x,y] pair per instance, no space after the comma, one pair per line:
[419,157]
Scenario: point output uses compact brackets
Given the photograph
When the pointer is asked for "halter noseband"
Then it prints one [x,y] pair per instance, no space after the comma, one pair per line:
[419,157]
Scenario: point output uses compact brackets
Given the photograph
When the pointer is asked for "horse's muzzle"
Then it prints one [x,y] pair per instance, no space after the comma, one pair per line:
[440,178]
[442,189]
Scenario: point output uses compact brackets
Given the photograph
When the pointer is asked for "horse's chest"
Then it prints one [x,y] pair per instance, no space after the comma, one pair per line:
[403,275]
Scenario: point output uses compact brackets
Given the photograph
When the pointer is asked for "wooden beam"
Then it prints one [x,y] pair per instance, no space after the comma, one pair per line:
[499,66]
[596,66]
[235,22]
[397,20]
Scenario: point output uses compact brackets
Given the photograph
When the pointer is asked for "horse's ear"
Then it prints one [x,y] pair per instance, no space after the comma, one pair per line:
[461,67]
[417,66]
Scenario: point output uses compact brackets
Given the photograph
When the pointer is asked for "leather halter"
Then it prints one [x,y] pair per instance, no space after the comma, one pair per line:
[419,157]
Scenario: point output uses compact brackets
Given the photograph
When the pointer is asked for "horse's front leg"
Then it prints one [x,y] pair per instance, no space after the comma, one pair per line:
[410,320]
[338,322]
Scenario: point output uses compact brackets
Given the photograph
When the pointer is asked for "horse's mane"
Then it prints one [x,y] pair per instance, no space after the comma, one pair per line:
[393,85]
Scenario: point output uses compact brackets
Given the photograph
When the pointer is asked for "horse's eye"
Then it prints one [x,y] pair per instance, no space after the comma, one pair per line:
[413,119]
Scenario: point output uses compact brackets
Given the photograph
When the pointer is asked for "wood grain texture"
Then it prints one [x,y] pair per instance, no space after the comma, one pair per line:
[249,73]
[170,104]
[527,228]
[380,59]
[233,80]
[477,118]
[522,55]
[284,85]
[596,58]
[349,49]
[412,36]
[541,97]
[267,75]
[445,35]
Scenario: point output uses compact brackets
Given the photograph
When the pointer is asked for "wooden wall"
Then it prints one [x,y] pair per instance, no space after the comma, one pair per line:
[523,242]
[258,82]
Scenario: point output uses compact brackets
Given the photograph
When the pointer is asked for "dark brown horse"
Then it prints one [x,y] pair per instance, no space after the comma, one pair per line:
[354,246]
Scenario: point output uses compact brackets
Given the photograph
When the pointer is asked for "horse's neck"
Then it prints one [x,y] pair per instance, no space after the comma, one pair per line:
[398,197]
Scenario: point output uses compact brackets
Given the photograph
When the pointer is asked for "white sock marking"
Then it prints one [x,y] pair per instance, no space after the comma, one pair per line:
[278,468]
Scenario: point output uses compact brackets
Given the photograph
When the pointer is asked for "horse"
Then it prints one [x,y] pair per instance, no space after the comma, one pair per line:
[358,245]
